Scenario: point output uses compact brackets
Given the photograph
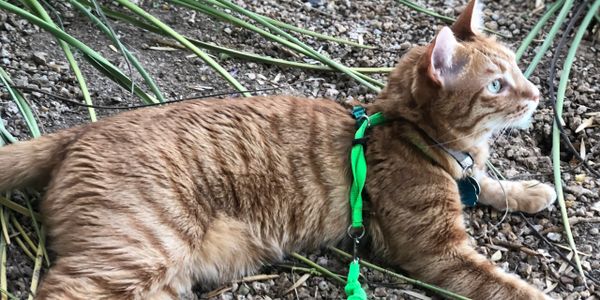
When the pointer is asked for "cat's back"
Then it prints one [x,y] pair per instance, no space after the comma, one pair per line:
[282,114]
[271,121]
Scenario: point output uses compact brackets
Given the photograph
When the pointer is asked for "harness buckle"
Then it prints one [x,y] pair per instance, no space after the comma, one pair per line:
[355,250]
[360,114]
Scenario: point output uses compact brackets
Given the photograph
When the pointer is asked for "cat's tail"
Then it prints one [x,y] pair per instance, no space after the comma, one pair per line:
[31,162]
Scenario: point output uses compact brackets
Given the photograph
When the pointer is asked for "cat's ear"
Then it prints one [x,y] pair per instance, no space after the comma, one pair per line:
[468,23]
[440,55]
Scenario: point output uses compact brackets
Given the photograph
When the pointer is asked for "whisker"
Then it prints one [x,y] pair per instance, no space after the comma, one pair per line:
[505,126]
[501,132]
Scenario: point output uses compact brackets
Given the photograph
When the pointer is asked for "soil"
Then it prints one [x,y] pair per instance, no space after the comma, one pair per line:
[34,59]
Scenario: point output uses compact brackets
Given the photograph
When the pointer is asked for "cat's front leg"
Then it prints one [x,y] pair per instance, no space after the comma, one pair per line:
[527,196]
[425,235]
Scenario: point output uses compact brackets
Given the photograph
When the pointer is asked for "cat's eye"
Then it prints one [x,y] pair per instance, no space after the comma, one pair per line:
[495,86]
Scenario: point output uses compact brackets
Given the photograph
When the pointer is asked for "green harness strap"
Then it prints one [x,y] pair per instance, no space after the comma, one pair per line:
[358,164]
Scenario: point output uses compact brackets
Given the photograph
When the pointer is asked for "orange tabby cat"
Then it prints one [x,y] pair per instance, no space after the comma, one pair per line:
[144,204]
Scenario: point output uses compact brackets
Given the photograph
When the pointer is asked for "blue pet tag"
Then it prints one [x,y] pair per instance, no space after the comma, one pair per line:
[469,190]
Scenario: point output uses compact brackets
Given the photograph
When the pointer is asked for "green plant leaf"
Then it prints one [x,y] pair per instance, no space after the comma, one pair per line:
[306,49]
[70,58]
[22,104]
[211,62]
[560,97]
[130,57]
[92,56]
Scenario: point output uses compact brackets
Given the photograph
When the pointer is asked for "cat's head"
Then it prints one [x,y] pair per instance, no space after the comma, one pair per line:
[463,86]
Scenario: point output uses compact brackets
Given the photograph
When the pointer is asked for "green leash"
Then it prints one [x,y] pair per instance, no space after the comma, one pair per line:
[358,164]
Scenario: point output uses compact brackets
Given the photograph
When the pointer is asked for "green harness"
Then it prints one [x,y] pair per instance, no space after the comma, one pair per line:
[468,188]
[467,185]
[358,164]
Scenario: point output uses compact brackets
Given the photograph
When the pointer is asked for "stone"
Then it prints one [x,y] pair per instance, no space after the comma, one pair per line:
[258,287]
[323,285]
[39,57]
[380,292]
[243,290]
[553,236]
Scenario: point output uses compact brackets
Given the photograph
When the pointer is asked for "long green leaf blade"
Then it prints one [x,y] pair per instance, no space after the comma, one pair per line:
[560,97]
[314,34]
[558,22]
[71,60]
[115,74]
[21,104]
[152,19]
[332,63]
[536,29]
[134,61]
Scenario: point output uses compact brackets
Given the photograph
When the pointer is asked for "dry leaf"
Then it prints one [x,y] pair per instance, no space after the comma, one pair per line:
[200,88]
[297,284]
[497,256]
[550,286]
[565,264]
[160,48]
[277,77]
[539,5]
[495,247]
[565,247]
[259,277]
[580,178]
[544,252]
[585,124]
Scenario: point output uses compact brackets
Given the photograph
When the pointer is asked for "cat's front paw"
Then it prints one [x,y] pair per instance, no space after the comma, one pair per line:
[534,196]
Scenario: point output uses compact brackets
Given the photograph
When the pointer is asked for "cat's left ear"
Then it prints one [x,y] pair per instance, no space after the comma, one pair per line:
[440,56]
[468,23]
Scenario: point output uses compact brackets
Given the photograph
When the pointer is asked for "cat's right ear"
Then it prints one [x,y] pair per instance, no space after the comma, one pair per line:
[468,23]
[440,54]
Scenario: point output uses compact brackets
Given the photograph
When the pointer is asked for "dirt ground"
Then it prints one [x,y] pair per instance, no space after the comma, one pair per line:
[34,59]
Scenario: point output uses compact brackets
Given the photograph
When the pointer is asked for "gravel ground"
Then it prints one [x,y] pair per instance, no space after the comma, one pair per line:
[33,59]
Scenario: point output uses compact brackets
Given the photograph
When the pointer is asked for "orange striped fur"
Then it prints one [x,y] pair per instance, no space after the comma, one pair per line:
[145,204]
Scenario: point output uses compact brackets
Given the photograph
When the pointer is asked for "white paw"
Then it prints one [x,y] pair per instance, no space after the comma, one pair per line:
[536,196]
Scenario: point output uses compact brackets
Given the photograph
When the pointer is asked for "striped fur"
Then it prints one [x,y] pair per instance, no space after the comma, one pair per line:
[144,204]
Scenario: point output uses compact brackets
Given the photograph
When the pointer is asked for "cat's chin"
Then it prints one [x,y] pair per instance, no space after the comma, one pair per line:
[525,121]
[522,124]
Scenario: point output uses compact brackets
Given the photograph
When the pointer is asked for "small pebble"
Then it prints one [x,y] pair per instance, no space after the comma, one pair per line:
[553,236]
[380,292]
[323,285]
[39,58]
[243,290]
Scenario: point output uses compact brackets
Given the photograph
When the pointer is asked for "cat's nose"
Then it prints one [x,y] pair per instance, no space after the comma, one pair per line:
[532,93]
[535,94]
